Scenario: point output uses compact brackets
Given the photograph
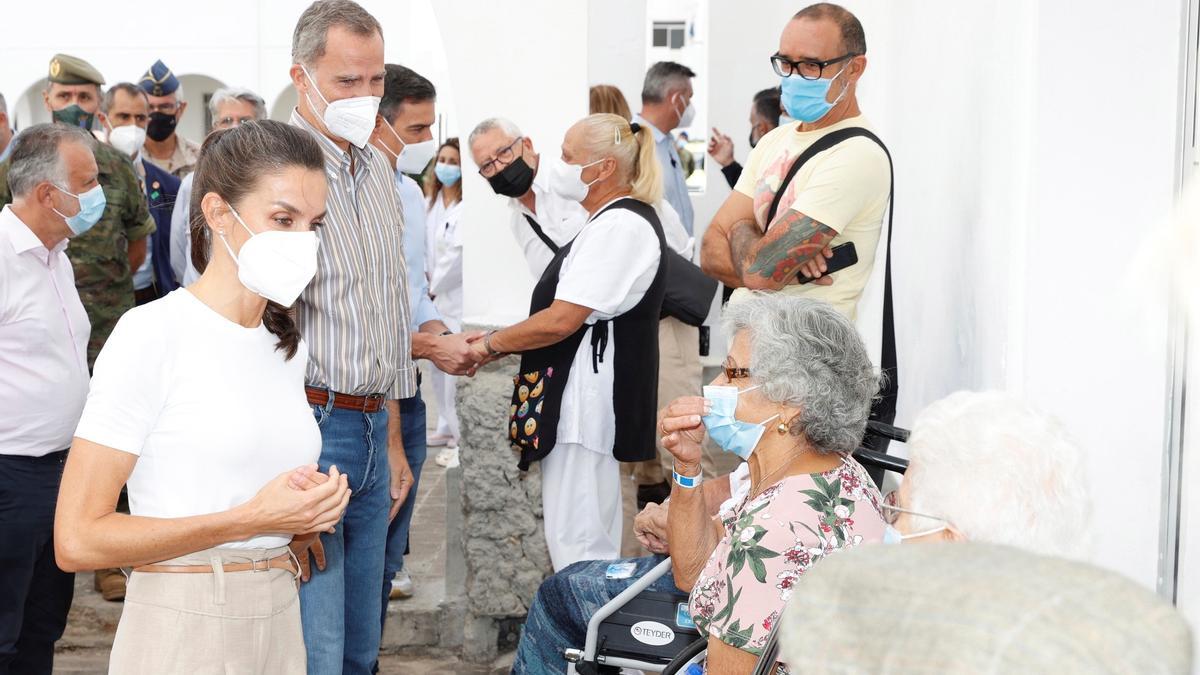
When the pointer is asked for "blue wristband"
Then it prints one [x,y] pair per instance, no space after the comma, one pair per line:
[686,481]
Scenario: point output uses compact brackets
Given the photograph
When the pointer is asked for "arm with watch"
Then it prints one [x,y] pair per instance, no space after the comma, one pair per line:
[549,326]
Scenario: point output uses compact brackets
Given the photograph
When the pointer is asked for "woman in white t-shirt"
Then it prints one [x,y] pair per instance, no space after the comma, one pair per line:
[444,256]
[197,403]
[585,396]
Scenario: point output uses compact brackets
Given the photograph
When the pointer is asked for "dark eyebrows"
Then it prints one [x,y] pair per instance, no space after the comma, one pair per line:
[293,210]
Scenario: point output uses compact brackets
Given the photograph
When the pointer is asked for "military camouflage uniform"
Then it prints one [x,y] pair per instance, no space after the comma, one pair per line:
[100,256]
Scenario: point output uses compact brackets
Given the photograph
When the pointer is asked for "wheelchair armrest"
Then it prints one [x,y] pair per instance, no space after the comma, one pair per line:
[887,431]
[872,459]
[589,649]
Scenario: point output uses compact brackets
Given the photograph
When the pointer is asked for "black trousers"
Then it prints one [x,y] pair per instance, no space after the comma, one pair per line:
[35,595]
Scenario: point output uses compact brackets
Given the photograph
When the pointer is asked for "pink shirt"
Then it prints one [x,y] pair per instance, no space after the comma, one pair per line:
[772,540]
[43,343]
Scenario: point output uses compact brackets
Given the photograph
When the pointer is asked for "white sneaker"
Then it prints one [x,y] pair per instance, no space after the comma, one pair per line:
[402,586]
[447,457]
[439,440]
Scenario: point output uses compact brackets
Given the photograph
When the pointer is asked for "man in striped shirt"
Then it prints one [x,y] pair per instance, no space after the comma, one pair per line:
[355,319]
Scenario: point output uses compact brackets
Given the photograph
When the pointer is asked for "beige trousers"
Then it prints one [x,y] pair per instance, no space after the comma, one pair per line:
[679,374]
[227,623]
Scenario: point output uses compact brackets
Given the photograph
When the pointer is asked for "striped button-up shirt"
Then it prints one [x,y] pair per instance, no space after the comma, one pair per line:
[355,315]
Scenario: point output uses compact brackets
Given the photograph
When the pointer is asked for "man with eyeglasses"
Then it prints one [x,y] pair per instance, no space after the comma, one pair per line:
[839,195]
[541,221]
[228,107]
[165,148]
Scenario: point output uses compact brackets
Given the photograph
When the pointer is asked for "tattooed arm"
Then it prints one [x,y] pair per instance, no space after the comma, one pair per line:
[715,258]
[772,260]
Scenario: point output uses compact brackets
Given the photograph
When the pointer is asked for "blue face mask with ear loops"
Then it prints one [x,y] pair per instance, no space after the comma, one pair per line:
[727,431]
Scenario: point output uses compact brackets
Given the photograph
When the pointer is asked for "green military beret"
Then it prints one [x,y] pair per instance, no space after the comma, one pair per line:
[73,70]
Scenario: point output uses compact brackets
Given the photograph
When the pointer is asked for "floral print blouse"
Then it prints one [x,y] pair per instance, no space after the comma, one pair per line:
[772,540]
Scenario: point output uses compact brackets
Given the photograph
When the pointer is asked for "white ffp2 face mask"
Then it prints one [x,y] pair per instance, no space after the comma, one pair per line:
[276,265]
[687,116]
[352,119]
[413,157]
[566,180]
[128,139]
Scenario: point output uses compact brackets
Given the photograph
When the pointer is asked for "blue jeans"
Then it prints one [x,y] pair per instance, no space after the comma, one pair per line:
[412,429]
[564,603]
[339,607]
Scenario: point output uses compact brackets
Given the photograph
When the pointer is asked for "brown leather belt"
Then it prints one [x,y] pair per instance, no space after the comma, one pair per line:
[367,404]
[282,562]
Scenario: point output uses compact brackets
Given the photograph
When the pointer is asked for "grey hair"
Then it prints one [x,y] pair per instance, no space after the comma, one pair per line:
[663,78]
[312,29]
[230,94]
[3,105]
[110,96]
[1000,472]
[36,158]
[491,123]
[807,355]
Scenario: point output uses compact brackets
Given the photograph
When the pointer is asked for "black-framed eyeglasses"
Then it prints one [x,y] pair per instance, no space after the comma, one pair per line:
[805,68]
[503,158]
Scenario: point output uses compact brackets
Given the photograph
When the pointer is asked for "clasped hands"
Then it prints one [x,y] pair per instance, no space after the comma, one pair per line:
[460,353]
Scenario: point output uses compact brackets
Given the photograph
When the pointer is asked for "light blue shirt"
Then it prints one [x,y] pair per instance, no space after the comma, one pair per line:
[412,203]
[181,241]
[675,189]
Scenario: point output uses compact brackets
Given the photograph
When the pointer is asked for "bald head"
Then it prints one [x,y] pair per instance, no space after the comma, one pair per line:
[854,40]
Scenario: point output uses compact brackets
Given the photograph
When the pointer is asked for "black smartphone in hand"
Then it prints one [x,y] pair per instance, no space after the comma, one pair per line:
[844,255]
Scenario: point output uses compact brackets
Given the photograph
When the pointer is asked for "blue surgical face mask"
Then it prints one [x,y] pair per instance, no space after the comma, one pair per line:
[449,174]
[727,431]
[91,207]
[804,100]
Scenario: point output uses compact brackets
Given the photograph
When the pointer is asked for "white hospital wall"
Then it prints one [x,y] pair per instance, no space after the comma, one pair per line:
[617,42]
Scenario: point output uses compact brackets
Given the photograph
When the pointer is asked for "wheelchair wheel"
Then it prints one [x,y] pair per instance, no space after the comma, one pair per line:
[682,658]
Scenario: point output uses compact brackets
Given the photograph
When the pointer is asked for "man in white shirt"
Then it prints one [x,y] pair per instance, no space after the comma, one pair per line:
[44,333]
[542,222]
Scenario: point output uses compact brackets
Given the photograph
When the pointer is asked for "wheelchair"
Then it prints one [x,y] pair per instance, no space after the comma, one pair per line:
[652,631]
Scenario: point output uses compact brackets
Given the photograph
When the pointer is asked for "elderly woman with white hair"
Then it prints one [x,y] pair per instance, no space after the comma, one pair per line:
[984,466]
[228,107]
[585,396]
[793,402]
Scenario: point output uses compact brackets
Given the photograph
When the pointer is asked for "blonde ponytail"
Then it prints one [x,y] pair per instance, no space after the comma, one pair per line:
[608,135]
[647,175]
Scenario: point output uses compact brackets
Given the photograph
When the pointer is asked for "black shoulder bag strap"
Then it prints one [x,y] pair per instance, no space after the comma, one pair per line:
[537,229]
[884,409]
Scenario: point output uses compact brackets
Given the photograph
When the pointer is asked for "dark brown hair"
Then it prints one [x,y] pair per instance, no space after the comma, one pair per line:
[232,161]
[433,185]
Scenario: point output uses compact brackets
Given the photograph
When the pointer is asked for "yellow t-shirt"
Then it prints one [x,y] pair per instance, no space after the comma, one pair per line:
[844,188]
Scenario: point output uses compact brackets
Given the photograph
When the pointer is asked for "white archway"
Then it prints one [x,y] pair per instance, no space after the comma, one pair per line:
[284,102]
[197,90]
[29,109]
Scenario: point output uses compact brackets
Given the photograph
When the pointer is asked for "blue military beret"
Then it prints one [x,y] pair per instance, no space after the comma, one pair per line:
[159,80]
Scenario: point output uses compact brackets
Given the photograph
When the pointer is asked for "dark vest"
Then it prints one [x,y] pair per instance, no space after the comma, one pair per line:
[539,385]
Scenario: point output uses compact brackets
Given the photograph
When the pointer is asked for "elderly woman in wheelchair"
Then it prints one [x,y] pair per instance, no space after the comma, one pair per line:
[792,402]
